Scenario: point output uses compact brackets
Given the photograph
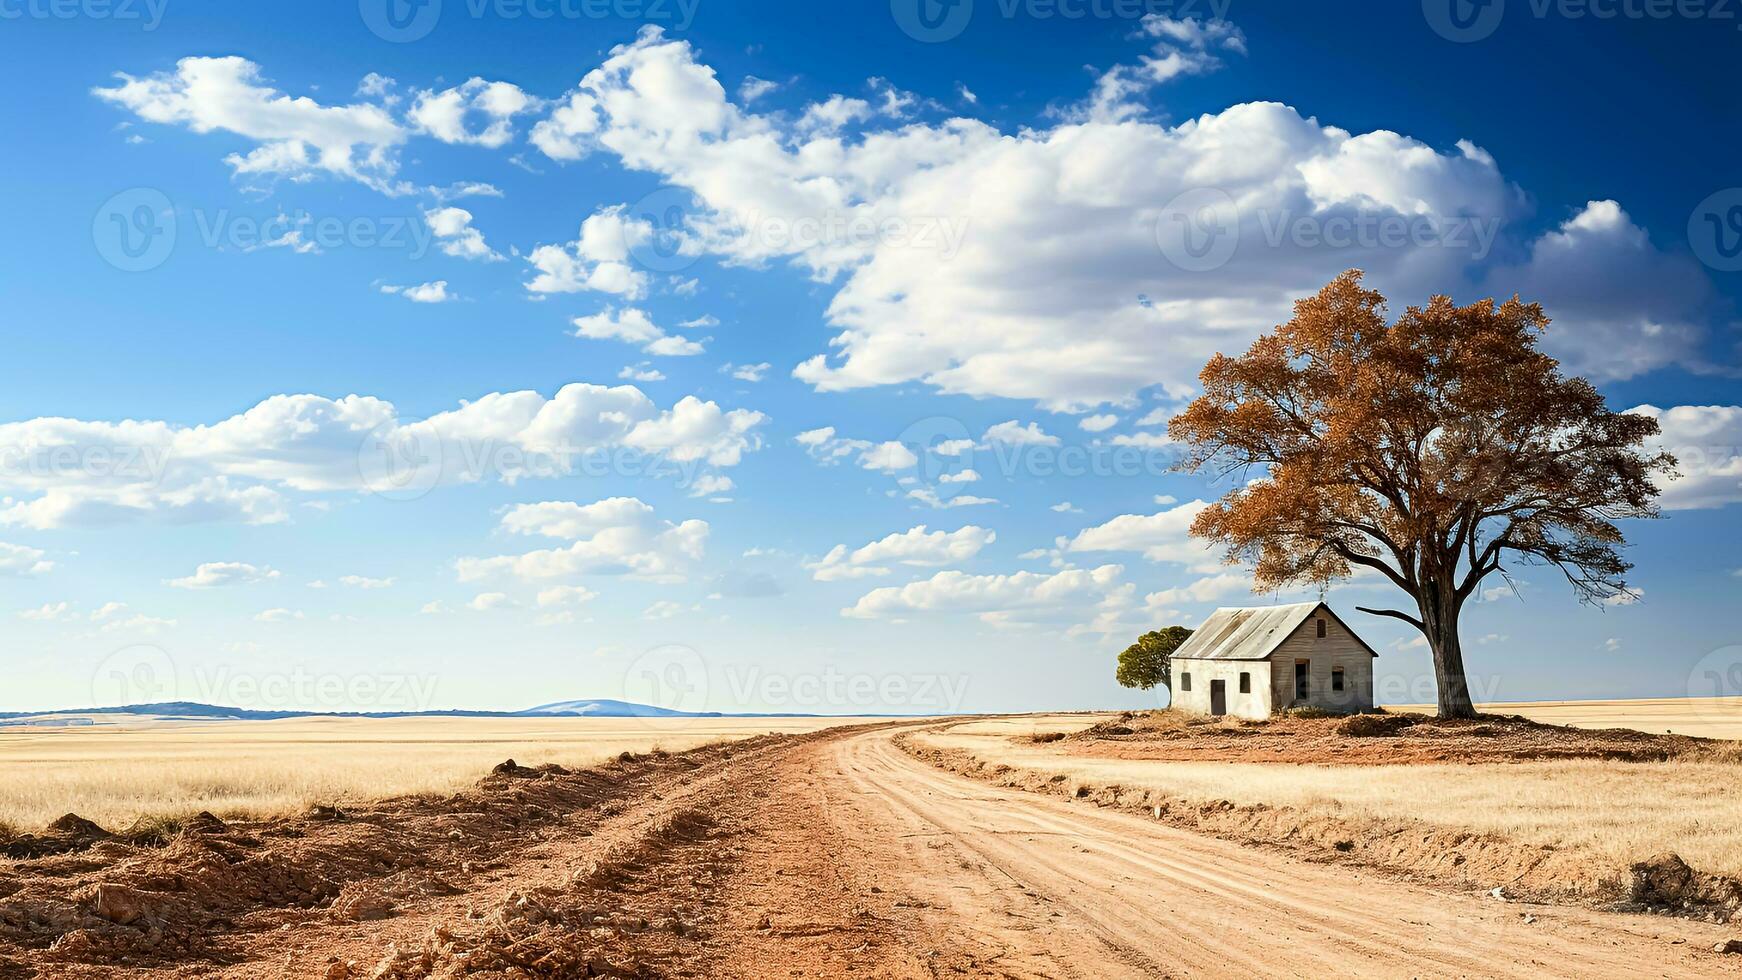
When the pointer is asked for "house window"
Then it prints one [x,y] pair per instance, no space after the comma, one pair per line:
[1321,629]
[1245,683]
[1337,679]
[1185,682]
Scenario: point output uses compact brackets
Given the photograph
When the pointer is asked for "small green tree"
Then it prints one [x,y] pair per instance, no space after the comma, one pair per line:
[1149,661]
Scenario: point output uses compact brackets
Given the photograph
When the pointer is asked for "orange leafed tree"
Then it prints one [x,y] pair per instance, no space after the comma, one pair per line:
[1434,450]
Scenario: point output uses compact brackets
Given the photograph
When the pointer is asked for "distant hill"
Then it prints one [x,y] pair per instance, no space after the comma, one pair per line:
[606,708]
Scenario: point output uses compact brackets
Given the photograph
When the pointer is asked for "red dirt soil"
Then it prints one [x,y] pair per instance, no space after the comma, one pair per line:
[1378,739]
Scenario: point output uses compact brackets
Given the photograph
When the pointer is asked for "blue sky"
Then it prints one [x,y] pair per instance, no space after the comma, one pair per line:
[692,296]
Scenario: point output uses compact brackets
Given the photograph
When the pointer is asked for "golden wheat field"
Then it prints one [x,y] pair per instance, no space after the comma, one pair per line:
[128,768]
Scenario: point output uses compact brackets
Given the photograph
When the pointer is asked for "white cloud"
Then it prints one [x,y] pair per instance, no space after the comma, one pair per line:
[1620,306]
[214,575]
[1625,597]
[53,612]
[644,371]
[618,536]
[1039,298]
[1207,589]
[827,448]
[366,583]
[16,560]
[296,137]
[1185,46]
[634,326]
[888,457]
[1013,433]
[1017,599]
[453,227]
[67,472]
[936,501]
[1098,423]
[564,596]
[597,261]
[279,616]
[711,484]
[752,373]
[1161,537]
[1707,443]
[451,115]
[490,601]
[918,547]
[663,609]
[753,88]
[964,476]
[429,292]
[1066,507]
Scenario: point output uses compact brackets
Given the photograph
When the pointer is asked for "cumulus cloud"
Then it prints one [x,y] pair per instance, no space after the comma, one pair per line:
[1061,289]
[1207,589]
[295,137]
[1161,537]
[633,326]
[453,230]
[216,575]
[1023,598]
[1621,307]
[1183,46]
[918,547]
[16,560]
[1013,433]
[618,536]
[1707,443]
[827,448]
[365,582]
[597,261]
[57,472]
[477,112]
[429,292]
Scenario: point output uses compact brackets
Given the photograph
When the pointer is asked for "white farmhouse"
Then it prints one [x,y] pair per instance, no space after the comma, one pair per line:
[1253,663]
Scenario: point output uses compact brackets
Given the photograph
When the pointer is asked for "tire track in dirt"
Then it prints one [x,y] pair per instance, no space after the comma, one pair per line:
[1202,906]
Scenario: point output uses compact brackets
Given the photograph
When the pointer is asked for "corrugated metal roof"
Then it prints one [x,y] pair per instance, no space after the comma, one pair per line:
[1245,634]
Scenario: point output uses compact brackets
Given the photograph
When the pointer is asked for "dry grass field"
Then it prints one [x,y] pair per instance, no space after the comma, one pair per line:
[131,768]
[1613,812]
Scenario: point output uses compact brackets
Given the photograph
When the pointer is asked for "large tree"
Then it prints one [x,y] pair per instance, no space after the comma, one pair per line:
[1433,451]
[1149,662]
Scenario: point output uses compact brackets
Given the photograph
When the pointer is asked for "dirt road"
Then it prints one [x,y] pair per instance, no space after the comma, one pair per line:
[839,855]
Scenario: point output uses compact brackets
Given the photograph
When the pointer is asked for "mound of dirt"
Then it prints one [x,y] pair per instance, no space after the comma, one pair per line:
[1665,883]
[1377,739]
[214,891]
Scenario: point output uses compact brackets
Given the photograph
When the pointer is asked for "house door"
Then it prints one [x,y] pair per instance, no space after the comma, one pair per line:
[1218,698]
[1302,689]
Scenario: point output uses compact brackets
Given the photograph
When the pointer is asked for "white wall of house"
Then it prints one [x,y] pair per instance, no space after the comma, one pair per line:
[1203,673]
[1338,648]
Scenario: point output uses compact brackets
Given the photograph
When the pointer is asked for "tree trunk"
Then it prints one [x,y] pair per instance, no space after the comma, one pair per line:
[1441,620]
